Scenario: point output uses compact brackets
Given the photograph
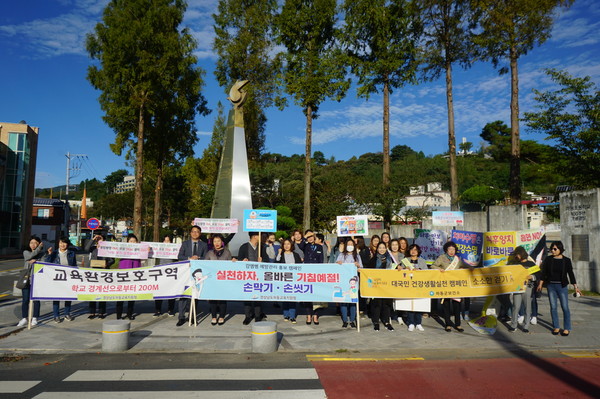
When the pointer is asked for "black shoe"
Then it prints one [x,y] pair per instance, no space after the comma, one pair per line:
[213,322]
[171,313]
[352,324]
[511,329]
[180,322]
[92,316]
[156,314]
[102,316]
[389,327]
[376,326]
[247,321]
[525,330]
[345,324]
[130,317]
[221,321]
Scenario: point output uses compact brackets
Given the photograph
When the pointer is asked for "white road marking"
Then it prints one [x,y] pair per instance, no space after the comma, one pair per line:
[194,374]
[279,394]
[16,386]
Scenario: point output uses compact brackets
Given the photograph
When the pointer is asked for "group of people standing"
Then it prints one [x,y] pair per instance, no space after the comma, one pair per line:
[383,252]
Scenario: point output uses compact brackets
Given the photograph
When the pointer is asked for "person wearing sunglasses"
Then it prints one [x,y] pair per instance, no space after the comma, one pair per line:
[557,272]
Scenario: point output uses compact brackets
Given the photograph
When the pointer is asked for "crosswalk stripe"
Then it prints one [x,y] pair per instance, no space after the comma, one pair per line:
[193,374]
[279,394]
[16,386]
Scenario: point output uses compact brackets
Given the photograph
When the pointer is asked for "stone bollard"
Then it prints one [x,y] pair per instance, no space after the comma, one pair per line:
[115,335]
[264,337]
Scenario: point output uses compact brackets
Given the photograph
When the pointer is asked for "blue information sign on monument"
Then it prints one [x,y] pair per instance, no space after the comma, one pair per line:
[260,220]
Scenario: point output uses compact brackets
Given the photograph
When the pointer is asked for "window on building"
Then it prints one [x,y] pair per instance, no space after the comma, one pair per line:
[43,213]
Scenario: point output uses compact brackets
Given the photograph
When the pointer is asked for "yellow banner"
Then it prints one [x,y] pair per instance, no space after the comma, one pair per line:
[379,283]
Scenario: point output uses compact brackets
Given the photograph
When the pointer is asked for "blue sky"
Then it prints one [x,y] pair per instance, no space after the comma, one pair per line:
[44,66]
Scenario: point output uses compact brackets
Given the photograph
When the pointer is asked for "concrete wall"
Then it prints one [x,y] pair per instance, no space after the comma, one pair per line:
[580,234]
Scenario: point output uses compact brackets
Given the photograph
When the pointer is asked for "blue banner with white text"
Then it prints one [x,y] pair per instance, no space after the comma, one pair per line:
[254,281]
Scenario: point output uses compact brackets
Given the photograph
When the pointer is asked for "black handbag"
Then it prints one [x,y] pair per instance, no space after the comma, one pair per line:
[24,278]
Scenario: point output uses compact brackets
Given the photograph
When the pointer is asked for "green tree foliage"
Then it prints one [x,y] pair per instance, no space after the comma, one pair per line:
[244,44]
[481,195]
[144,61]
[510,29]
[570,116]
[465,147]
[380,38]
[110,181]
[113,206]
[497,134]
[401,151]
[200,174]
[312,71]
[447,41]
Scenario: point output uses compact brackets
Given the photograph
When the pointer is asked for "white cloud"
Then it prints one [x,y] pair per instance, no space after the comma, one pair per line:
[574,27]
[66,33]
[63,34]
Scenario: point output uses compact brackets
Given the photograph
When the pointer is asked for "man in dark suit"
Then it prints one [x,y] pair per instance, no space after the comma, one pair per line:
[192,249]
[249,252]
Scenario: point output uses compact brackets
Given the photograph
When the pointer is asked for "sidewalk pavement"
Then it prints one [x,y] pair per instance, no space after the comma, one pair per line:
[160,334]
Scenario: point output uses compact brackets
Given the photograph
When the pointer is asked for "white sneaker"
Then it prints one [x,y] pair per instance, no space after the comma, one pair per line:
[521,319]
[466,317]
[411,328]
[34,321]
[22,322]
[400,321]
[534,320]
[420,327]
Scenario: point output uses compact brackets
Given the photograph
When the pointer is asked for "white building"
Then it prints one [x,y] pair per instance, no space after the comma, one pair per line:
[430,196]
[128,184]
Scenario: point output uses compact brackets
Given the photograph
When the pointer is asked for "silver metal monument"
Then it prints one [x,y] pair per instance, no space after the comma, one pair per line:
[232,192]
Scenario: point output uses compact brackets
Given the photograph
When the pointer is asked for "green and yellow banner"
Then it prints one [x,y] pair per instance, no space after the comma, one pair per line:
[378,283]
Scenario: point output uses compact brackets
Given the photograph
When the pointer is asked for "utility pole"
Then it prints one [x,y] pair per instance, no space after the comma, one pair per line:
[67,207]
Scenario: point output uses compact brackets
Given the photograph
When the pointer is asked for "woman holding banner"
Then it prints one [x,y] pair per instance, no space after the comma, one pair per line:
[414,262]
[286,254]
[386,238]
[403,245]
[557,271]
[381,308]
[66,257]
[450,261]
[218,252]
[32,254]
[520,255]
[349,255]
[128,264]
[92,248]
[395,253]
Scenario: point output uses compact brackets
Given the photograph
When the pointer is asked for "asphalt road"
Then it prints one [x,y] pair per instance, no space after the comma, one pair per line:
[9,271]
[299,375]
